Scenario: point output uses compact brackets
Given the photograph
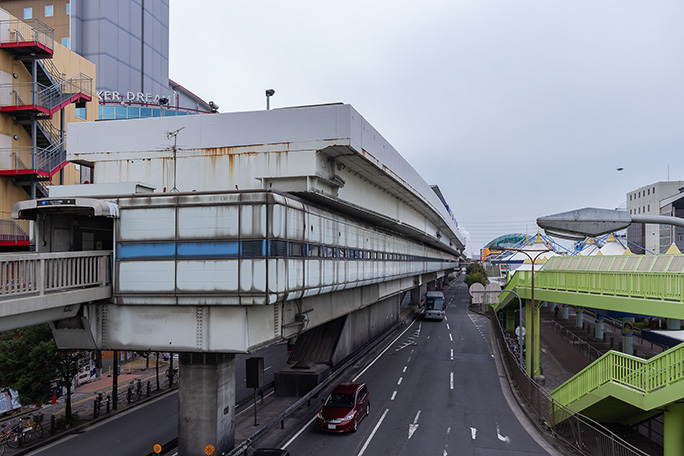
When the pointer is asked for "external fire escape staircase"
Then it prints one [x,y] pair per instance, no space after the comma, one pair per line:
[32,104]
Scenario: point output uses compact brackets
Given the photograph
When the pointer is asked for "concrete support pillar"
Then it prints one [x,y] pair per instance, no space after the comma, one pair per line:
[565,312]
[598,329]
[579,318]
[673,323]
[206,402]
[627,335]
[673,437]
[532,340]
[415,296]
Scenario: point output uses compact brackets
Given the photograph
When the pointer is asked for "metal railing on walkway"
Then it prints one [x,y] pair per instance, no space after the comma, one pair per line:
[44,273]
[582,345]
[11,231]
[580,433]
[20,31]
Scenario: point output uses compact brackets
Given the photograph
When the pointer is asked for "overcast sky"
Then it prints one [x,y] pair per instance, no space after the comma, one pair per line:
[516,109]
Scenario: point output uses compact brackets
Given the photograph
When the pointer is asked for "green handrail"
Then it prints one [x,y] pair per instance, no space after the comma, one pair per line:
[663,374]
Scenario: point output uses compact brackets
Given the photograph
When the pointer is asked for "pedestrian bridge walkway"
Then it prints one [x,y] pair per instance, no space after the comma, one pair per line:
[617,387]
[639,284]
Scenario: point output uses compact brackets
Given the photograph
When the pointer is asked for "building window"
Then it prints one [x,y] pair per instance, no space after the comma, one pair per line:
[630,197]
[68,8]
[649,208]
[81,113]
[648,192]
[654,190]
[49,10]
[28,13]
[66,42]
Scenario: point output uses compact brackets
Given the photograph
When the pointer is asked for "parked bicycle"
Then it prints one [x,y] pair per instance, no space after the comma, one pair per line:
[172,376]
[30,425]
[9,435]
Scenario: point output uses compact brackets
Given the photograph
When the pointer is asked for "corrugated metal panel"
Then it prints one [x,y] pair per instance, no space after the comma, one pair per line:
[208,275]
[147,276]
[208,222]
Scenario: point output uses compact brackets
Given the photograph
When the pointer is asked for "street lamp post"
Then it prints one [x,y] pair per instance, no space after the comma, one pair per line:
[531,323]
[269,94]
[591,221]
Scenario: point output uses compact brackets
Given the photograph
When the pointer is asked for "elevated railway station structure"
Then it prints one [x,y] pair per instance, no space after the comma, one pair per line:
[219,234]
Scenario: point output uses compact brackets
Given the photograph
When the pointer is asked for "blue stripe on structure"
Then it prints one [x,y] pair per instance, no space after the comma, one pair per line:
[209,249]
[151,250]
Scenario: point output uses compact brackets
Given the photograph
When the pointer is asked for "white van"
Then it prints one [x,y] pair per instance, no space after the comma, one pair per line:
[434,306]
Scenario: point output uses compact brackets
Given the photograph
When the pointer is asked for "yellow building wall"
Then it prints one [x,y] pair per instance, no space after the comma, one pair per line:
[59,20]
[69,63]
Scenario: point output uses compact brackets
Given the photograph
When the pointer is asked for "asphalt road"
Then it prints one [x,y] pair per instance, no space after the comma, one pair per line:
[434,391]
[136,431]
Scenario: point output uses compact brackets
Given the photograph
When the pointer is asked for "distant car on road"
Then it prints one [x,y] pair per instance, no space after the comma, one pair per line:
[344,409]
[434,306]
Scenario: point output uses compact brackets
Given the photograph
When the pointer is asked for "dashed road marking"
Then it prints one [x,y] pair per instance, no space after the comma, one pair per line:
[394,394]
[473,433]
[375,429]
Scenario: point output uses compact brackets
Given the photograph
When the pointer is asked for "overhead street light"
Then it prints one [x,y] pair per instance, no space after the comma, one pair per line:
[590,221]
[269,94]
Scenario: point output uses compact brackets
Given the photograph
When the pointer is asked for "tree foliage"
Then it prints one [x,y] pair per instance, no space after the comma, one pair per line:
[475,272]
[30,360]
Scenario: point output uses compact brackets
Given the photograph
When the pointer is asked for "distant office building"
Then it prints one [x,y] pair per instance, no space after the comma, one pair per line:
[128,41]
[647,200]
[672,206]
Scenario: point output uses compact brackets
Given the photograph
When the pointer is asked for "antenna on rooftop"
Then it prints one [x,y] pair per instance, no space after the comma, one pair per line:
[174,135]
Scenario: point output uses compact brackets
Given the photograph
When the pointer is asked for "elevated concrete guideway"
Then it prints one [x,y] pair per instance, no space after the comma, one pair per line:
[236,231]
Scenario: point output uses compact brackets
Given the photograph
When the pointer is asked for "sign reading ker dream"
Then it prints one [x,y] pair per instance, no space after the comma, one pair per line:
[136,97]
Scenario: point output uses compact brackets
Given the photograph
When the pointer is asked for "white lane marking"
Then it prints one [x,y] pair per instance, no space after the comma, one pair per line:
[448,326]
[266,368]
[428,337]
[452,354]
[251,405]
[394,394]
[375,429]
[383,352]
[445,453]
[473,433]
[451,381]
[308,423]
[404,369]
[408,360]
[398,382]
[503,438]
[413,427]
[450,337]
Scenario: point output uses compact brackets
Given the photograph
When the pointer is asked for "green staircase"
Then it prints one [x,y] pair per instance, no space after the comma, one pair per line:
[625,389]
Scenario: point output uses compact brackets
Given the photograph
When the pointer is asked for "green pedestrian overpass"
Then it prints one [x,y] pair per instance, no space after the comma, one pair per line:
[616,388]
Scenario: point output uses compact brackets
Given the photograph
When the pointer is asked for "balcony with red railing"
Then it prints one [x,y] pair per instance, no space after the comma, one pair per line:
[11,234]
[25,100]
[30,38]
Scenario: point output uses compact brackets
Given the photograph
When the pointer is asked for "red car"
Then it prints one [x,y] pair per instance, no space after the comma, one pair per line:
[346,406]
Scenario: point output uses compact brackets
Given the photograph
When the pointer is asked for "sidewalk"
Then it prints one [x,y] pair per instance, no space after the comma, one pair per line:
[560,360]
[83,401]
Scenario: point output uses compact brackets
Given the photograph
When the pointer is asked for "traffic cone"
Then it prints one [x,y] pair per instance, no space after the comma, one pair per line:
[54,397]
